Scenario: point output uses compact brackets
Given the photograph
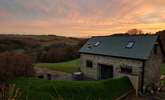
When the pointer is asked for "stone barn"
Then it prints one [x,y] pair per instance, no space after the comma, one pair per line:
[138,57]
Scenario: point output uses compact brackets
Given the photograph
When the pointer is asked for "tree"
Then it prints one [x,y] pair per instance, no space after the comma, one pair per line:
[134,31]
[14,65]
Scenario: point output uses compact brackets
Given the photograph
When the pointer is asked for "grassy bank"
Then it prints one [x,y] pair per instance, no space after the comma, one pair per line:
[68,66]
[162,71]
[36,89]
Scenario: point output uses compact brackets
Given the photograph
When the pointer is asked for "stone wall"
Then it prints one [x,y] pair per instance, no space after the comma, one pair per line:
[115,62]
[152,68]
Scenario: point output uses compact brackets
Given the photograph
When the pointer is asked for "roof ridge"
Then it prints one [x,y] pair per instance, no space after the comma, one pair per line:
[154,35]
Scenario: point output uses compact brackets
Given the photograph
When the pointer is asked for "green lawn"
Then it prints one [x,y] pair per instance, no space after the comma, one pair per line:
[37,89]
[162,69]
[74,65]
[69,66]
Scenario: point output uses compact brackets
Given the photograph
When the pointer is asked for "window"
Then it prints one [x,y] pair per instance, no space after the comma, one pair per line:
[97,43]
[89,64]
[126,69]
[130,44]
[89,46]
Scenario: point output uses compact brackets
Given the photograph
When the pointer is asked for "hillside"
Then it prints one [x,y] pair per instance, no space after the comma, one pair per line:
[42,40]
[49,48]
[42,48]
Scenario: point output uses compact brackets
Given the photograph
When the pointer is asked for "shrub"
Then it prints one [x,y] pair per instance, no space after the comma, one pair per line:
[57,53]
[14,65]
[37,89]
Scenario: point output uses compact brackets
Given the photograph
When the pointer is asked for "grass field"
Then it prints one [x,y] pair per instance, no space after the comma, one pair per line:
[69,66]
[74,65]
[37,89]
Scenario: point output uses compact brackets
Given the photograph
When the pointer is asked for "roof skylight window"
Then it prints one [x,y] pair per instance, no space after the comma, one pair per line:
[130,44]
[89,46]
[97,43]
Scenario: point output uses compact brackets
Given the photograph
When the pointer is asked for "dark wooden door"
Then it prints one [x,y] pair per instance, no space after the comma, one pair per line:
[106,71]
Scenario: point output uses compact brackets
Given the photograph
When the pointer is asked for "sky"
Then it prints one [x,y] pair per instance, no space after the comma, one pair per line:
[80,18]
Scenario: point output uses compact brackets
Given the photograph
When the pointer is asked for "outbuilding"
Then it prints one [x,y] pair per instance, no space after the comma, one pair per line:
[138,57]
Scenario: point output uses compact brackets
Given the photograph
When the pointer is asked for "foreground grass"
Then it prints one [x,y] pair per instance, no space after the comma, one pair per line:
[162,69]
[37,89]
[69,66]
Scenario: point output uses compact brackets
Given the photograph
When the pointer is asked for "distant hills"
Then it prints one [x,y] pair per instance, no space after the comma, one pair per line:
[50,48]
[42,48]
[36,40]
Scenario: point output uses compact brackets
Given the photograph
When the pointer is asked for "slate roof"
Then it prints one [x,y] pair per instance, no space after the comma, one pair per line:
[116,46]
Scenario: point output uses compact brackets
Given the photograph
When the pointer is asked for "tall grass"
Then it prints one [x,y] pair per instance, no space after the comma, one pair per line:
[10,92]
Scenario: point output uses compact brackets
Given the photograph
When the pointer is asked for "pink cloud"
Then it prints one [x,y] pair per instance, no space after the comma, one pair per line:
[84,16]
[4,13]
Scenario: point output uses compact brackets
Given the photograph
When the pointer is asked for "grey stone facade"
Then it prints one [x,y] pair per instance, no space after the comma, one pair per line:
[151,67]
[115,62]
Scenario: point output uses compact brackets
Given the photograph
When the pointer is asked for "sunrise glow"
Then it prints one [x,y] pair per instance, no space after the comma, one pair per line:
[80,18]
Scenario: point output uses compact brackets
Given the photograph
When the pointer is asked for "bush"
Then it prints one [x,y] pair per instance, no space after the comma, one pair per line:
[14,65]
[57,53]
